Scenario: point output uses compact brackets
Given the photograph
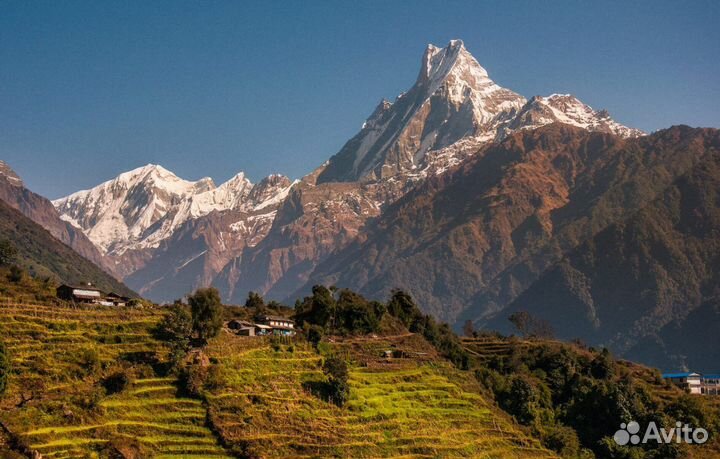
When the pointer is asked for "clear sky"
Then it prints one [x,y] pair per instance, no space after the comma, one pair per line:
[91,89]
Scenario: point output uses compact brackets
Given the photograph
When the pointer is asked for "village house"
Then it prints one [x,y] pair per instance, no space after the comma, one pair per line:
[266,325]
[711,384]
[278,325]
[694,383]
[242,327]
[86,294]
[117,300]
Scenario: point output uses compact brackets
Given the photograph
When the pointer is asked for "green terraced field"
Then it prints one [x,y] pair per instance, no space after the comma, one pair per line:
[72,418]
[405,408]
[266,404]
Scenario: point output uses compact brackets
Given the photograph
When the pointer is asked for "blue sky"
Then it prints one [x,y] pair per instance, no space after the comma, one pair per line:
[91,89]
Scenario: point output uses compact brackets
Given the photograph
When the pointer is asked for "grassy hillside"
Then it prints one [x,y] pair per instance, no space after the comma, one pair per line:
[265,403]
[93,382]
[45,257]
[574,398]
[57,403]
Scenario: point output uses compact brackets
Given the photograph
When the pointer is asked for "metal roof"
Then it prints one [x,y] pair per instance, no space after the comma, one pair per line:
[278,318]
[679,375]
[81,287]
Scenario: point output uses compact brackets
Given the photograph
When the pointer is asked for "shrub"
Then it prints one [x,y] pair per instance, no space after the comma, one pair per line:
[318,309]
[255,301]
[216,378]
[528,402]
[16,274]
[192,379]
[176,356]
[116,382]
[469,329]
[8,252]
[402,306]
[530,326]
[135,303]
[89,360]
[563,440]
[314,334]
[354,314]
[441,337]
[602,366]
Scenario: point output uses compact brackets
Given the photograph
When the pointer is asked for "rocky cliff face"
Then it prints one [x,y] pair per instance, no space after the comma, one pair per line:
[313,222]
[42,212]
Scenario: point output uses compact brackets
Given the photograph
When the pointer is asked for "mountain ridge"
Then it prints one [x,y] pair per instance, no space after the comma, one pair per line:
[40,210]
[44,256]
[449,113]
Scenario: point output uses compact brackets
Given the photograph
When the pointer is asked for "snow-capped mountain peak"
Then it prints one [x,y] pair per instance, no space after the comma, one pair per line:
[452,98]
[140,208]
[568,109]
[438,62]
[459,75]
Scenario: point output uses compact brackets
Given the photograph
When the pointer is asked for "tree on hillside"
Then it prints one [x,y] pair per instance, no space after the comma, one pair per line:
[318,309]
[521,321]
[255,300]
[8,252]
[528,402]
[177,328]
[257,303]
[355,314]
[206,309]
[402,306]
[468,329]
[4,368]
[530,326]
[336,370]
[603,366]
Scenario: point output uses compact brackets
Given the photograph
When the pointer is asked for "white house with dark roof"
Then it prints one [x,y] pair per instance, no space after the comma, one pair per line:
[278,325]
[695,383]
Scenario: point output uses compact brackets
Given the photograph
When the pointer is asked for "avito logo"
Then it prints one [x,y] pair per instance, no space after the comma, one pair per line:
[682,433]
